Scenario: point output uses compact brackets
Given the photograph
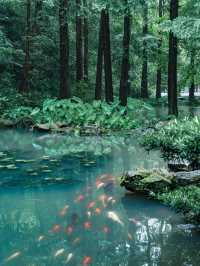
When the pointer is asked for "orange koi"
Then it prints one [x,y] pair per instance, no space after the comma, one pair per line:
[98,211]
[63,212]
[87,225]
[56,228]
[87,260]
[91,205]
[130,237]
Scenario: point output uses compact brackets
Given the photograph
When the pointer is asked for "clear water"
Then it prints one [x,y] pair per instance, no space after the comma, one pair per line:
[54,209]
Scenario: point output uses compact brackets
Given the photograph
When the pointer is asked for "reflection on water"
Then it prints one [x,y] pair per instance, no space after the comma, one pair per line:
[85,218]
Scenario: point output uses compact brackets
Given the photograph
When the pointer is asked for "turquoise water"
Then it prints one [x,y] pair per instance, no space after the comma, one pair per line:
[60,204]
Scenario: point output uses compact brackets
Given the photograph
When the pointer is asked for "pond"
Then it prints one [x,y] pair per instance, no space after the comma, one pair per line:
[61,204]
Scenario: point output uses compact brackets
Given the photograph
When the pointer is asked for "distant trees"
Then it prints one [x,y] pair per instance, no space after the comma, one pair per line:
[104,55]
[144,79]
[125,66]
[64,50]
[172,64]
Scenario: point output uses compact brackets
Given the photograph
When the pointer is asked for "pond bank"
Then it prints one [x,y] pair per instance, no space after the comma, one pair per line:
[179,190]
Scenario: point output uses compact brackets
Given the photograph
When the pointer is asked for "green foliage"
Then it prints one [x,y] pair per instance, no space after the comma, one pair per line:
[178,139]
[185,200]
[74,112]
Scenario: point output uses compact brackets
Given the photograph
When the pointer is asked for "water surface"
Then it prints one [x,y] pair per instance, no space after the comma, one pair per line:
[55,205]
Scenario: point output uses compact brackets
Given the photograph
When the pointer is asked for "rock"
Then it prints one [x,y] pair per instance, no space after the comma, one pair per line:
[158,180]
[6,123]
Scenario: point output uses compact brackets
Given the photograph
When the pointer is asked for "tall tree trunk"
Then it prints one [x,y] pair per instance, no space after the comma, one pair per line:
[144,80]
[192,85]
[107,58]
[79,42]
[99,70]
[24,86]
[85,34]
[64,50]
[159,69]
[37,16]
[124,82]
[172,66]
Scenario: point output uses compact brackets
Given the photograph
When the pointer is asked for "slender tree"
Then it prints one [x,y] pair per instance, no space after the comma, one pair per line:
[104,55]
[99,70]
[79,42]
[24,85]
[192,85]
[124,82]
[64,50]
[85,38]
[159,67]
[144,79]
[107,58]
[172,65]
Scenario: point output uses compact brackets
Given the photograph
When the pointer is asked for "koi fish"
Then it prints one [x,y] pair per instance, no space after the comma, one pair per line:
[74,218]
[91,205]
[69,230]
[69,257]
[133,220]
[89,214]
[130,237]
[106,229]
[59,252]
[76,241]
[103,199]
[56,228]
[79,198]
[13,256]
[113,216]
[98,211]
[40,238]
[63,212]
[87,260]
[87,225]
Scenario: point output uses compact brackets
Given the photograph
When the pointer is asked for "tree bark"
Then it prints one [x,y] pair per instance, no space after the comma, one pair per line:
[144,80]
[172,66]
[192,86]
[85,34]
[107,58]
[124,82]
[79,42]
[159,69]
[24,85]
[37,16]
[99,70]
[64,50]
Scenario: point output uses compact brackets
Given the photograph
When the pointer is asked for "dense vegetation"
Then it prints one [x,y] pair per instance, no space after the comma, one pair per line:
[178,140]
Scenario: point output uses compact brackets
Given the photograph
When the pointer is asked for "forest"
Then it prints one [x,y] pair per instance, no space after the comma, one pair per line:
[100,132]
